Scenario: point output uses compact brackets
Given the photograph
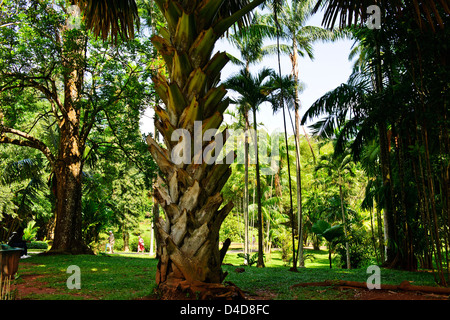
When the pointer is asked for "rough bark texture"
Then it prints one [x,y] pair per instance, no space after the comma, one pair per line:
[189,192]
[189,233]
[69,165]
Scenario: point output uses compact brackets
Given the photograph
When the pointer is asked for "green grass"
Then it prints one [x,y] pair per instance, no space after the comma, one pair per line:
[277,279]
[132,276]
[109,277]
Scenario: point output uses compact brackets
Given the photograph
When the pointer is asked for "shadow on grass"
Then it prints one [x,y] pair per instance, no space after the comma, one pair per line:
[132,276]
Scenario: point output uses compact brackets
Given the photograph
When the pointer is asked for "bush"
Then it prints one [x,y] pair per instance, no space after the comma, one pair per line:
[37,245]
[251,260]
[361,250]
[285,244]
[231,228]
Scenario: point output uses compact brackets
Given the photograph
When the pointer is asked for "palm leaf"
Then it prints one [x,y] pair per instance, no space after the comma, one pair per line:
[18,171]
[110,17]
[354,11]
[320,227]
[334,232]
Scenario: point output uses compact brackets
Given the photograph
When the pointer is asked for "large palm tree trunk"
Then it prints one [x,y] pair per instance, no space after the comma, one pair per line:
[189,191]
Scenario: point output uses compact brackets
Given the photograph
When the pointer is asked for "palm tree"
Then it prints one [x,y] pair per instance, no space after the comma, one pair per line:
[336,167]
[110,18]
[249,42]
[27,177]
[253,91]
[331,233]
[293,18]
[189,192]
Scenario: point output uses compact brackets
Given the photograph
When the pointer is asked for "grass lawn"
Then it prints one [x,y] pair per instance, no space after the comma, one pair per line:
[132,276]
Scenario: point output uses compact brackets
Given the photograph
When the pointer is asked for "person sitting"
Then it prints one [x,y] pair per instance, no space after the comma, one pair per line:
[16,241]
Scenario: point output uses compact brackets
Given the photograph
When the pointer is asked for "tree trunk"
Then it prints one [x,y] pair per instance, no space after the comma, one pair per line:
[189,190]
[126,241]
[389,214]
[295,71]
[301,262]
[380,234]
[68,178]
[189,235]
[246,196]
[344,222]
[69,164]
[260,263]
[68,235]
[152,240]
[329,255]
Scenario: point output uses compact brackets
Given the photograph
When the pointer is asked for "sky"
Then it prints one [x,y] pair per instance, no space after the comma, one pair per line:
[328,70]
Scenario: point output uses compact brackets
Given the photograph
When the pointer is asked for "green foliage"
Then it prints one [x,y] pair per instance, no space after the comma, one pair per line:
[251,259]
[41,245]
[29,233]
[330,233]
[285,244]
[232,228]
[35,53]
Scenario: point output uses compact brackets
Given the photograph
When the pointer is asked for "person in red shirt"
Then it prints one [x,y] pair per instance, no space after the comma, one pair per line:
[141,245]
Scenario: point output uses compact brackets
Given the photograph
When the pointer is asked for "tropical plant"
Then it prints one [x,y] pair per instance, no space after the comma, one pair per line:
[250,259]
[355,11]
[249,42]
[30,231]
[253,91]
[333,234]
[337,167]
[381,105]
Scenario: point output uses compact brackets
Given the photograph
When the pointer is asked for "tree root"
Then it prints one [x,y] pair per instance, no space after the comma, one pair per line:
[180,289]
[405,286]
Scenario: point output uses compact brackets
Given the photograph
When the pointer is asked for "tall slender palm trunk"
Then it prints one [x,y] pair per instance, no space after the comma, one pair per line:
[260,263]
[246,196]
[295,72]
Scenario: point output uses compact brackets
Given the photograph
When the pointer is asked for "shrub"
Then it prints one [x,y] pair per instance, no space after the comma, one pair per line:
[251,260]
[41,245]
[285,244]
[361,250]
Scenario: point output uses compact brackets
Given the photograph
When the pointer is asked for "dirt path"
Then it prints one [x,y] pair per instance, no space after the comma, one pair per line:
[33,287]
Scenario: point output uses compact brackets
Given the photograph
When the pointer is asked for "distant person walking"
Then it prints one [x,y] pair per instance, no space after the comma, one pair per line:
[141,245]
[111,242]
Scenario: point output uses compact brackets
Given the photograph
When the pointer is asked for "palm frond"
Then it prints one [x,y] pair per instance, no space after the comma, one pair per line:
[337,103]
[354,11]
[110,17]
[21,170]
